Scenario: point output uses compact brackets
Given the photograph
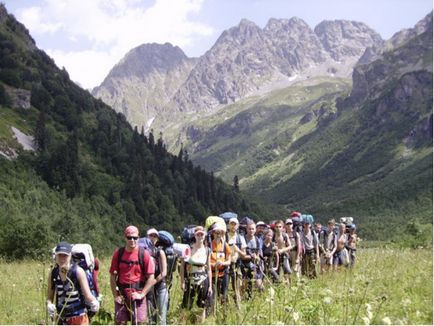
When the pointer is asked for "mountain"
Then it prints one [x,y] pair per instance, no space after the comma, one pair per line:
[72,168]
[332,147]
[245,60]
[145,81]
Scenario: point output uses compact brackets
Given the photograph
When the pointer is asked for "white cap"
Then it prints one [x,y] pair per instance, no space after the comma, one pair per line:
[152,231]
[234,219]
[261,223]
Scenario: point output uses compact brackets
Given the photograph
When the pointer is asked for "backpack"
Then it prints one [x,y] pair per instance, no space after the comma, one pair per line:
[187,235]
[165,242]
[227,216]
[242,229]
[82,255]
[154,252]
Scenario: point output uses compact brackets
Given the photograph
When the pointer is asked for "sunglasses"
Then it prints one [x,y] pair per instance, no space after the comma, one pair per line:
[132,238]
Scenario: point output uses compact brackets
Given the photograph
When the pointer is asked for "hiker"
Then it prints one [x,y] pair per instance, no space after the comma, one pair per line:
[270,256]
[339,257]
[131,278]
[309,240]
[251,263]
[196,274]
[260,228]
[352,244]
[281,239]
[327,244]
[160,294]
[237,243]
[220,260]
[68,283]
[296,248]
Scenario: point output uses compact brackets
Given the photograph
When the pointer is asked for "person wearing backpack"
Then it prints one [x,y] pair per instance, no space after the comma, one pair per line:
[270,256]
[237,243]
[195,275]
[131,278]
[159,296]
[220,260]
[328,243]
[296,247]
[340,257]
[309,241]
[281,239]
[68,283]
[251,263]
[352,244]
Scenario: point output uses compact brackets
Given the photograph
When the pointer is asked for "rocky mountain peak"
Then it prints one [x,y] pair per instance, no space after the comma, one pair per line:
[147,58]
[343,38]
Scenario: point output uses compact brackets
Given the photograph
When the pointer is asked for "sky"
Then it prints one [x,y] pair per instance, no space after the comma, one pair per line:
[88,37]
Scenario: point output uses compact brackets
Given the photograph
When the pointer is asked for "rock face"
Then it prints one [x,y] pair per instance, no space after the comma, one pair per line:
[20,98]
[159,80]
[405,52]
[145,81]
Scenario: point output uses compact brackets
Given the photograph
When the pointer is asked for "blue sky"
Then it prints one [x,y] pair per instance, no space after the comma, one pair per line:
[88,37]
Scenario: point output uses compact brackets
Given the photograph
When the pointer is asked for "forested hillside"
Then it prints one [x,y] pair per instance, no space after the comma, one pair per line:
[91,173]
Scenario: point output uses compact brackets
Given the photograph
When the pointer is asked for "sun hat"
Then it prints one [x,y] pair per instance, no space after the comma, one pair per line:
[131,230]
[152,231]
[63,248]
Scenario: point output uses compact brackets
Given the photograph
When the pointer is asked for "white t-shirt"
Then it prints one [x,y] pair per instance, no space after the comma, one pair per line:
[232,241]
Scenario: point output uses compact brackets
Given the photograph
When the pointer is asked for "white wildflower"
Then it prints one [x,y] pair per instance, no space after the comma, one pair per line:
[386,321]
[366,320]
[295,316]
[327,300]
[406,302]
[271,293]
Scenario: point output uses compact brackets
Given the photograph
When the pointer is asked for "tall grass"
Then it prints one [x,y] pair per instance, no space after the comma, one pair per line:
[386,286]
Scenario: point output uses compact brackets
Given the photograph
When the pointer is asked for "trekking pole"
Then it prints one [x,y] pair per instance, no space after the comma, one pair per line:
[135,312]
[215,289]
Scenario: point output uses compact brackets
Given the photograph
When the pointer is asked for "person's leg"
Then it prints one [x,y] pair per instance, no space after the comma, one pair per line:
[162,302]
[121,314]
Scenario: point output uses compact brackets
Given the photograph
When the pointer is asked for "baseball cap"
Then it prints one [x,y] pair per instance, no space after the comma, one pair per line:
[234,219]
[288,221]
[152,231]
[260,223]
[63,248]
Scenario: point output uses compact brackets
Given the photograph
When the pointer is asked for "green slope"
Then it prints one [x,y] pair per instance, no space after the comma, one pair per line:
[92,174]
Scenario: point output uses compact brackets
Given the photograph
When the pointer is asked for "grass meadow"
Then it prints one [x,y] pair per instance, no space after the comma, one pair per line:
[387,286]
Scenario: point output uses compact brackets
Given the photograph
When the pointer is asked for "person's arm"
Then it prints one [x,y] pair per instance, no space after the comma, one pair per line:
[227,250]
[85,290]
[113,277]
[242,251]
[163,267]
[276,259]
[209,270]
[50,289]
[51,307]
[181,274]
[287,247]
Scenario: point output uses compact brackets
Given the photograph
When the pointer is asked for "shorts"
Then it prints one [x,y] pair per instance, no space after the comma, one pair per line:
[76,320]
[140,311]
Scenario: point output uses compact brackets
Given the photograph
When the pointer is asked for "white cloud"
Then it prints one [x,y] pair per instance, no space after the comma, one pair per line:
[111,28]
[32,18]
[87,68]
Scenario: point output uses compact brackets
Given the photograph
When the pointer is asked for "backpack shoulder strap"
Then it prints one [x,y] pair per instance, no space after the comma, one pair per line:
[120,253]
[141,258]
